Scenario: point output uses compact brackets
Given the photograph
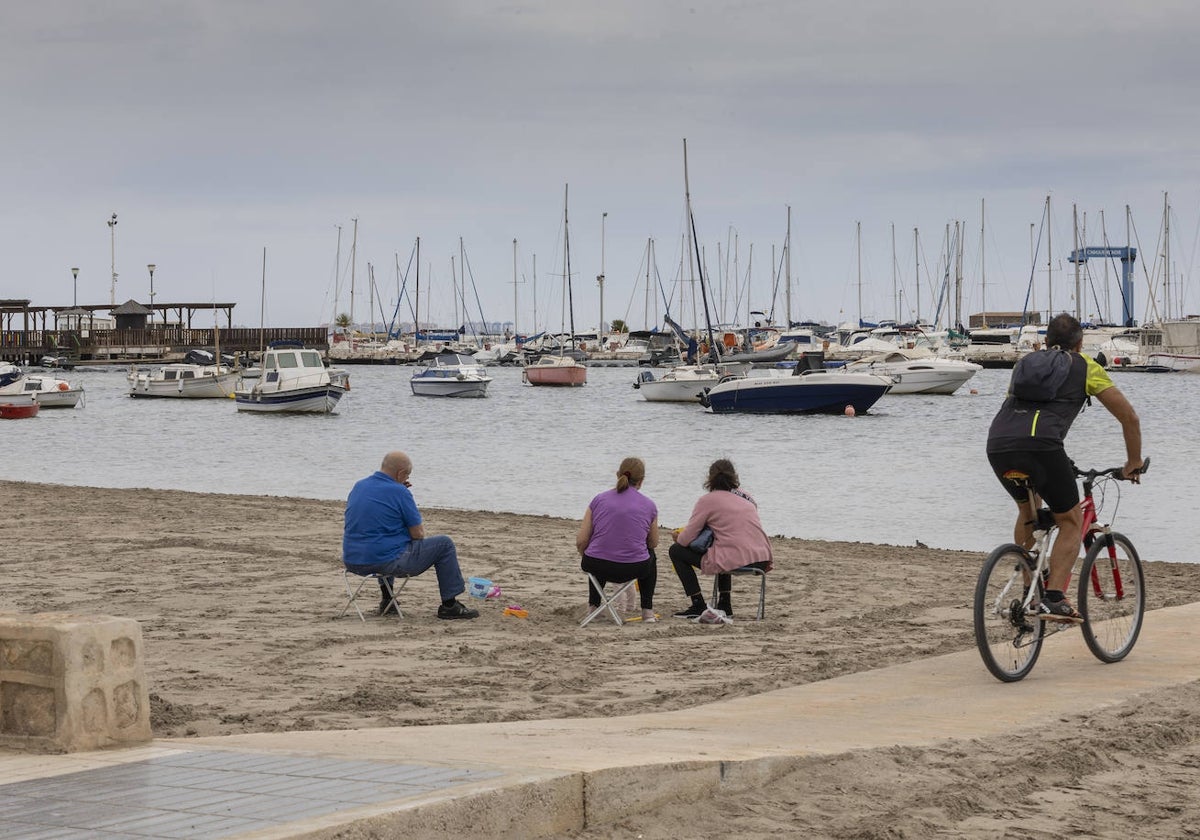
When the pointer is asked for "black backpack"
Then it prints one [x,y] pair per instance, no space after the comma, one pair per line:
[1039,376]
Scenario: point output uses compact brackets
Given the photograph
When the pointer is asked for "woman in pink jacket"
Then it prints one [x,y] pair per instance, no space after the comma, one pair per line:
[738,539]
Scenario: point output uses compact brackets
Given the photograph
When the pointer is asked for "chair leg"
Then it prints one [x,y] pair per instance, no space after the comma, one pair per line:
[606,602]
[352,593]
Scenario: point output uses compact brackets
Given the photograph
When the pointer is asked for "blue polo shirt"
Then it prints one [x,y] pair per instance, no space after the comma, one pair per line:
[379,512]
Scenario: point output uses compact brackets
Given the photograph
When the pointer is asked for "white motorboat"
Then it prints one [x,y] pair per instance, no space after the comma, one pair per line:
[16,386]
[183,380]
[683,383]
[917,371]
[450,374]
[292,380]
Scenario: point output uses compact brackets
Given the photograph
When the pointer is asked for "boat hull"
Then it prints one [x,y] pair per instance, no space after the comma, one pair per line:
[675,390]
[322,399]
[18,411]
[819,393]
[201,387]
[561,375]
[430,387]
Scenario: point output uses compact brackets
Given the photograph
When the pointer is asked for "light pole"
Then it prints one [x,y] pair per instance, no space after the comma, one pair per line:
[112,235]
[600,281]
[75,284]
[151,267]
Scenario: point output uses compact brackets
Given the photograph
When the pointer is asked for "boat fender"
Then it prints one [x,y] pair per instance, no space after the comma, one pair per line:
[63,386]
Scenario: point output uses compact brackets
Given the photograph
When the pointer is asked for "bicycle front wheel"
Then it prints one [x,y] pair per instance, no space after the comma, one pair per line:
[1111,597]
[1009,639]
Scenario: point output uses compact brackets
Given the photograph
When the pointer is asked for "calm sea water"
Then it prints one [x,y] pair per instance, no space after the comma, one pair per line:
[912,469]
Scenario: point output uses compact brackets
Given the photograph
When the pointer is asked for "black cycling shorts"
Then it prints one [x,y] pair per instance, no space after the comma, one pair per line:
[1050,472]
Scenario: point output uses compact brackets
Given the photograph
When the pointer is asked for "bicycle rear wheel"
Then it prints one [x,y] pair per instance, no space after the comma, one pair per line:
[1111,597]
[1008,638]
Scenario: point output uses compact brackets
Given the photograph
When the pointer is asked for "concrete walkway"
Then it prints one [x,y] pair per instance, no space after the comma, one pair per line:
[543,778]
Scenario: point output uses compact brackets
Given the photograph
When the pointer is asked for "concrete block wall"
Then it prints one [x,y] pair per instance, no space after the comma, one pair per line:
[71,682]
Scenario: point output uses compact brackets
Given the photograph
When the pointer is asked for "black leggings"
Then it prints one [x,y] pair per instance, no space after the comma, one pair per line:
[687,561]
[607,571]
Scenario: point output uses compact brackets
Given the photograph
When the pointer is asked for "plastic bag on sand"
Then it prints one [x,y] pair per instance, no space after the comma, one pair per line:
[712,615]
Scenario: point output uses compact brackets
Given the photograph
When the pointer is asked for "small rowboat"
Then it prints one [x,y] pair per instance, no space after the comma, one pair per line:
[10,411]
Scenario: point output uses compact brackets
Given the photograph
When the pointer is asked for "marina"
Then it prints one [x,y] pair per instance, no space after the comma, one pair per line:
[546,451]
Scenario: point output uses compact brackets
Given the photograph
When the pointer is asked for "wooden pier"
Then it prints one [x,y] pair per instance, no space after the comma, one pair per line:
[29,333]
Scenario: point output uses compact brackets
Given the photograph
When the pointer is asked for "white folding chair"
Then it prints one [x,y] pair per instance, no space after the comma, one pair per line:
[762,587]
[607,602]
[352,591]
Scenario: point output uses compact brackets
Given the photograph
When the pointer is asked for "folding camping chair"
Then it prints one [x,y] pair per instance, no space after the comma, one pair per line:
[352,591]
[762,587]
[607,602]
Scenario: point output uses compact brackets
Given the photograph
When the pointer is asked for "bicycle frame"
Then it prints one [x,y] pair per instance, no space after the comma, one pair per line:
[1088,533]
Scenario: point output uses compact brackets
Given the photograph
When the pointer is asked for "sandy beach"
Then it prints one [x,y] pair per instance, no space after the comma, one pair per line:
[237,598]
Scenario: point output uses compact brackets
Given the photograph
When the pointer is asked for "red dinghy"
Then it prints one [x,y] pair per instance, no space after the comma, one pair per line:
[9,411]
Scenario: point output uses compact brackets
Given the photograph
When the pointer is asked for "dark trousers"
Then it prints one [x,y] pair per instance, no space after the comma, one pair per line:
[606,571]
[686,562]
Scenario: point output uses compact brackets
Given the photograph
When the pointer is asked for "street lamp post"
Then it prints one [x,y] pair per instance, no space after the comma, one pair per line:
[151,267]
[112,235]
[75,284]
[600,281]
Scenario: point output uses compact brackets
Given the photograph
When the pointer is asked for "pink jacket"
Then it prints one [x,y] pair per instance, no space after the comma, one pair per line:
[738,535]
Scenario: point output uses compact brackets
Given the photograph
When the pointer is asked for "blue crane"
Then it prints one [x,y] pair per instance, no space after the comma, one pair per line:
[1127,256]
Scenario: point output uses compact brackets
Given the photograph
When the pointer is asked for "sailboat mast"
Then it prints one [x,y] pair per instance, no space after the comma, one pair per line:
[982,262]
[895,284]
[858,250]
[262,303]
[687,193]
[1049,267]
[917,269]
[353,260]
[787,269]
[515,332]
[1166,258]
[417,302]
[567,263]
[1075,234]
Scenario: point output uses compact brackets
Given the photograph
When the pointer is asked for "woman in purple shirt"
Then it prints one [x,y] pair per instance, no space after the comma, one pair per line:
[618,536]
[738,539]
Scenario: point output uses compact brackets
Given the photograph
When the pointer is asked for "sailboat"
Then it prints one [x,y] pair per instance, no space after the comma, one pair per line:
[561,369]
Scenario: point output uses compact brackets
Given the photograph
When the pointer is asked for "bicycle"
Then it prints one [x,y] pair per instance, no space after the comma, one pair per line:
[1111,596]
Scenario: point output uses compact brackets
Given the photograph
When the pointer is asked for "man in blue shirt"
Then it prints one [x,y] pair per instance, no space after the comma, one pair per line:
[384,534]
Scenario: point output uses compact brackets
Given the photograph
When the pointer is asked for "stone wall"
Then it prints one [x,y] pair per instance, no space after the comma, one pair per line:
[71,682]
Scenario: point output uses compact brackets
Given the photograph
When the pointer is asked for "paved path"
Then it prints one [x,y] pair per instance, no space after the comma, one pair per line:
[549,777]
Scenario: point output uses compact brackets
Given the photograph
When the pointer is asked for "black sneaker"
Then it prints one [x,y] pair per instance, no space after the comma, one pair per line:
[724,605]
[1058,611]
[387,607]
[457,610]
[693,611]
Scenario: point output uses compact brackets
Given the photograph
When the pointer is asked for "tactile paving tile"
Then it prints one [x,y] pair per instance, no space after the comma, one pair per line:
[207,794]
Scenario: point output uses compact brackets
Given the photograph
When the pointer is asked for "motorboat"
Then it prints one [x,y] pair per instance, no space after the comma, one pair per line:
[293,380]
[18,411]
[43,389]
[183,379]
[682,383]
[778,391]
[916,371]
[555,370]
[450,374]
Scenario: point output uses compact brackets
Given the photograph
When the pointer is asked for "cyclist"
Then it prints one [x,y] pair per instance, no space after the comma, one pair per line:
[1047,391]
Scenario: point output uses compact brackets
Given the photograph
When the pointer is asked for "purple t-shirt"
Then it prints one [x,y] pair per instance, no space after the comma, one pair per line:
[620,526]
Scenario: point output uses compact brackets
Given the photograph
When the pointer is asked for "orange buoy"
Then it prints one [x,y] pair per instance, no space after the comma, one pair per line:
[63,386]
[849,412]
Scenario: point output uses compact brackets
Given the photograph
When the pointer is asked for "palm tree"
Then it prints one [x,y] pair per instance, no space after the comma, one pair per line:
[619,326]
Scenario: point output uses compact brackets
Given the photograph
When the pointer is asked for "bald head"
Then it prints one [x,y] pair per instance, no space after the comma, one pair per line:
[397,465]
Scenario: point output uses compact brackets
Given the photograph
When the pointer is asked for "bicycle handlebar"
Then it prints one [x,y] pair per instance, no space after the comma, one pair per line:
[1115,472]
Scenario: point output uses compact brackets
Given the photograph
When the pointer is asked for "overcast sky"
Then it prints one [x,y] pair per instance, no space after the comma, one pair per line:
[215,130]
